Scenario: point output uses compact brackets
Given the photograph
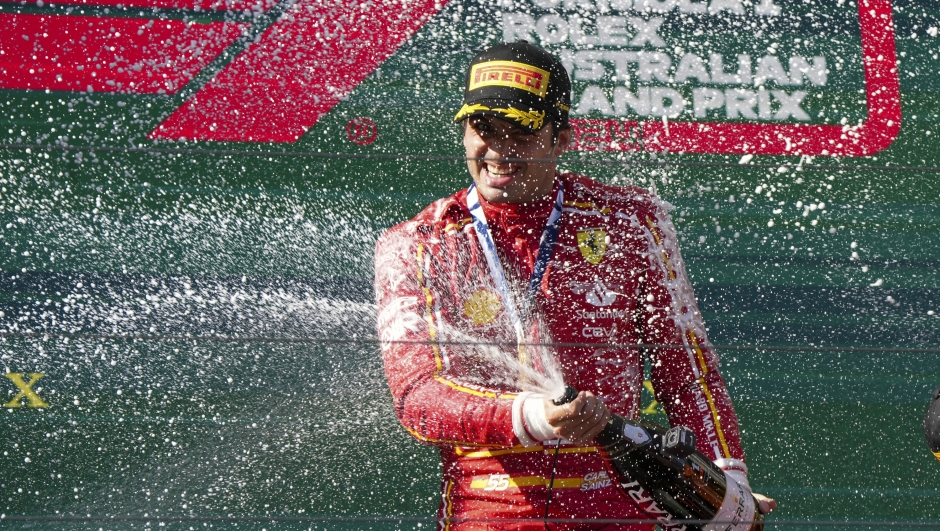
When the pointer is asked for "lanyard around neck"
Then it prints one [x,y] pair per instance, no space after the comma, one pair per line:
[546,249]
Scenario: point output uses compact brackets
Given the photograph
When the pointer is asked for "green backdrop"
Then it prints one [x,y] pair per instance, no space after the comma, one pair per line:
[201,314]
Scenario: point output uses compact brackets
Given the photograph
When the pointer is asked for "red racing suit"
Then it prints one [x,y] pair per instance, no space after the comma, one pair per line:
[616,278]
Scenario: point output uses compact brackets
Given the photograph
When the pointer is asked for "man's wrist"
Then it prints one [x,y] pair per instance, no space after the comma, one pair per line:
[529,422]
[736,469]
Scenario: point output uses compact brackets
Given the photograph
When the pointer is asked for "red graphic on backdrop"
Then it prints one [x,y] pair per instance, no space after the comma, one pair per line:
[317,53]
[298,71]
[361,131]
[205,5]
[883,93]
[107,54]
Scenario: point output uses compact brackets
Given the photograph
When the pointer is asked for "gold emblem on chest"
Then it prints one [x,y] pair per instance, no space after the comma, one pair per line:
[482,307]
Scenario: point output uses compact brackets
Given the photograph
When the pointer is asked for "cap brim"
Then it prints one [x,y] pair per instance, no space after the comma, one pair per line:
[531,119]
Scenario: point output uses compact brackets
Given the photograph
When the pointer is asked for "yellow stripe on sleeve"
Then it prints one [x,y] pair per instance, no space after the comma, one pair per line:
[699,355]
[708,395]
[448,505]
[501,482]
[479,454]
[417,435]
[429,309]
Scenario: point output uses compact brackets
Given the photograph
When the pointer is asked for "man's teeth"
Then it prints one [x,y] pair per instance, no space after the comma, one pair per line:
[496,171]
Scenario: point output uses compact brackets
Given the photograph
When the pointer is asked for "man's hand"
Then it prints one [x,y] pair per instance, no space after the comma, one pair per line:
[584,417]
[764,504]
[579,420]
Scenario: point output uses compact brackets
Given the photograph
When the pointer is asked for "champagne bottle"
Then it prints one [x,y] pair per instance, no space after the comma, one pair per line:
[932,423]
[671,481]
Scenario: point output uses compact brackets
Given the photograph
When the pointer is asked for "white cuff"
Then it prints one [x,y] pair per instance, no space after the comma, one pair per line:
[535,421]
[518,424]
[730,463]
[528,420]
[736,470]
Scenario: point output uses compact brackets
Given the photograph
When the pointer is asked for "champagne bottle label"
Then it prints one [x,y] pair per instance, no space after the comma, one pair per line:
[736,511]
[638,435]
[652,509]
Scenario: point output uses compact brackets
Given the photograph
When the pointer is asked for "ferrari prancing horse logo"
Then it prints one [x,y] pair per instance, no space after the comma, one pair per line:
[593,244]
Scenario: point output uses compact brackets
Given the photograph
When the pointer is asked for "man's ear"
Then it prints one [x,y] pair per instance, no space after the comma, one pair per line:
[561,145]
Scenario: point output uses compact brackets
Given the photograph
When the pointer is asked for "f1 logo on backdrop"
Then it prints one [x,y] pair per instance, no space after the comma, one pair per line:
[317,52]
[273,91]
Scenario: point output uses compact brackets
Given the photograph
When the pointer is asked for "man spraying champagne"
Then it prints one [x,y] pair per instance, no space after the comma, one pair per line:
[471,291]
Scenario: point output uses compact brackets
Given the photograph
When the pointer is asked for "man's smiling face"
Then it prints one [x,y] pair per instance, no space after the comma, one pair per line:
[508,163]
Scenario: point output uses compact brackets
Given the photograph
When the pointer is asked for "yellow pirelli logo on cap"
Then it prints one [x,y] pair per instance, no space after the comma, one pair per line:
[509,74]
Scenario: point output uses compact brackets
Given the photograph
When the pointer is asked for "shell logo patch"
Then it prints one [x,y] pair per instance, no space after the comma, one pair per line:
[593,244]
[482,307]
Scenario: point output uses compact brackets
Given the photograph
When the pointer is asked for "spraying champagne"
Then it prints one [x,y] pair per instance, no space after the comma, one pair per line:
[669,479]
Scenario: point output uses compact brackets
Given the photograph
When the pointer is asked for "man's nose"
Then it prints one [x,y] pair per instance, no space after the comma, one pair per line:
[504,146]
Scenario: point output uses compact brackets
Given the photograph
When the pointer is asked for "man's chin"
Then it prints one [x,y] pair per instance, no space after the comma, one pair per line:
[499,181]
[495,194]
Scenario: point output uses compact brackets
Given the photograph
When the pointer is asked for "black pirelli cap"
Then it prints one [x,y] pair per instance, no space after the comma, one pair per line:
[932,423]
[520,83]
